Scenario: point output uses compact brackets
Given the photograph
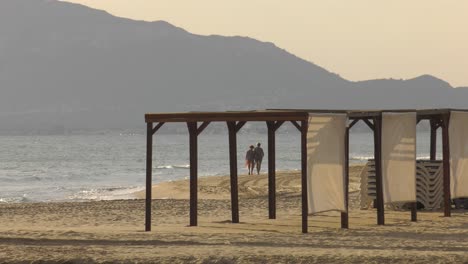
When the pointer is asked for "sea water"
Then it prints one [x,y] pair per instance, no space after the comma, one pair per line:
[112,165]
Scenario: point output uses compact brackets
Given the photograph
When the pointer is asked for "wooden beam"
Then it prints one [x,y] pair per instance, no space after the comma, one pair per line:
[297,125]
[149,177]
[378,169]
[193,149]
[433,144]
[305,208]
[446,165]
[202,127]
[277,125]
[227,116]
[272,126]
[232,128]
[368,113]
[156,128]
[281,114]
[436,122]
[239,125]
[353,123]
[345,216]
[369,124]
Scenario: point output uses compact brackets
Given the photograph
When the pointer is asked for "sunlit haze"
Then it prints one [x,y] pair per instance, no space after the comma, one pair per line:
[362,39]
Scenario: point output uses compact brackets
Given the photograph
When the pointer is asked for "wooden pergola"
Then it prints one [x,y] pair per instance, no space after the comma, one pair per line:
[274,118]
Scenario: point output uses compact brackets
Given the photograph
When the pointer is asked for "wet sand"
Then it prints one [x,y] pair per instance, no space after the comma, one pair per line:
[112,231]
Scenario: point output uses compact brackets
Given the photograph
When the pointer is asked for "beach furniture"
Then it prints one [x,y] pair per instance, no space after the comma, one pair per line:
[429,186]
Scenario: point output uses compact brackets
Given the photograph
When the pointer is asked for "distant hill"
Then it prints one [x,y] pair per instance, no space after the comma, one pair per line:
[67,66]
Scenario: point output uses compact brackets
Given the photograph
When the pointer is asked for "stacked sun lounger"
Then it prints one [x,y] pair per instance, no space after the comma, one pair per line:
[429,186]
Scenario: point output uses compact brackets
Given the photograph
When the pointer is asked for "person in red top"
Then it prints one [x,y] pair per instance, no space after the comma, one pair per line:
[249,159]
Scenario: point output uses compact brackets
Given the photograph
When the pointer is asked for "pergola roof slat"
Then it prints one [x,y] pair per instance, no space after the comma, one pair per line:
[283,115]
[228,116]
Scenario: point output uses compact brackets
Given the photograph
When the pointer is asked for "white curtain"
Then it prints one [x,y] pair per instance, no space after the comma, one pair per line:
[326,162]
[458,137]
[399,157]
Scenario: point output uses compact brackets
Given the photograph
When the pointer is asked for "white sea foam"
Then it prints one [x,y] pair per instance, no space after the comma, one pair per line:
[172,167]
[362,158]
[111,193]
[19,199]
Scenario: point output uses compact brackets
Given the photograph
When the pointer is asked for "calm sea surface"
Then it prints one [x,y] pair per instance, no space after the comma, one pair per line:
[112,166]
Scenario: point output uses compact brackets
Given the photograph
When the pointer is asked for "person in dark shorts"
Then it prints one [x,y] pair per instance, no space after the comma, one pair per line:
[249,159]
[258,157]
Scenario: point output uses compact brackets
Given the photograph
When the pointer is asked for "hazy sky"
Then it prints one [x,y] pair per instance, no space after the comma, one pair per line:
[358,39]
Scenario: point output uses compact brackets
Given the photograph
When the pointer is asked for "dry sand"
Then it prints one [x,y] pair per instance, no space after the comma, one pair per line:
[112,231]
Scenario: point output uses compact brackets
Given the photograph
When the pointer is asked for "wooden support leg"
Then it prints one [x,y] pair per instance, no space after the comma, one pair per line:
[193,143]
[345,216]
[149,177]
[414,206]
[433,143]
[414,212]
[446,164]
[432,153]
[378,169]
[233,171]
[271,171]
[304,127]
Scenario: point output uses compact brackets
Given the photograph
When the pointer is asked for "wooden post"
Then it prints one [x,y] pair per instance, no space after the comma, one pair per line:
[233,171]
[271,171]
[193,145]
[414,212]
[446,164]
[345,216]
[432,150]
[304,127]
[149,177]
[433,146]
[378,169]
[414,206]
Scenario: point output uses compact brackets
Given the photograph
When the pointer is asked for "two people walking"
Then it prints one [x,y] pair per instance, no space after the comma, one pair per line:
[254,157]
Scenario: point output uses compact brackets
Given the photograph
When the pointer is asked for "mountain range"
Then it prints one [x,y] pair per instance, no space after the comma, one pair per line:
[67,66]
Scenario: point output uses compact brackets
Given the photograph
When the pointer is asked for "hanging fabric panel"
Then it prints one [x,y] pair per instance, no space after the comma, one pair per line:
[399,157]
[458,142]
[326,162]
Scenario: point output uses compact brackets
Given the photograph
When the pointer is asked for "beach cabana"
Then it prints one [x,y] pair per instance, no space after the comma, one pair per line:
[303,120]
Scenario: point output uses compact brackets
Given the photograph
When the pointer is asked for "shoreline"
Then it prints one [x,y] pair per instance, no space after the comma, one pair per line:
[173,188]
[218,187]
[210,187]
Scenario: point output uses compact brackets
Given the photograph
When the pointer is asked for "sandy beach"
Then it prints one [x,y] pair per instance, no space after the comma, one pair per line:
[112,231]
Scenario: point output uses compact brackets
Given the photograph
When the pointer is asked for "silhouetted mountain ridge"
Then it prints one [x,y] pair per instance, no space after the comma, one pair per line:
[67,65]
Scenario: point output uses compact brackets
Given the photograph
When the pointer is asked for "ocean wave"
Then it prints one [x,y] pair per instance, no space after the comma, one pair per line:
[427,157]
[172,167]
[361,157]
[108,193]
[17,199]
[130,134]
[30,179]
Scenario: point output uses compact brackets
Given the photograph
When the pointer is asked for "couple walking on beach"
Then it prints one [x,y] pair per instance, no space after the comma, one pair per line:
[254,157]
